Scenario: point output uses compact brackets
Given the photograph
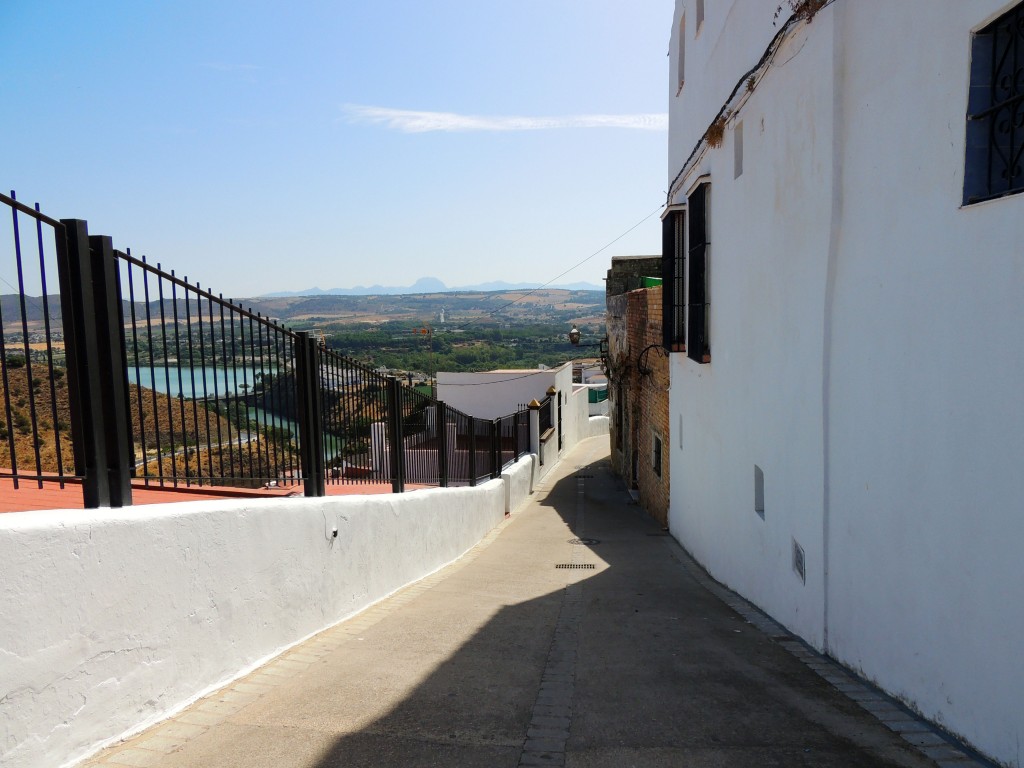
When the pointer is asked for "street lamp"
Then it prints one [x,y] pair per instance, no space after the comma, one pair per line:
[574,335]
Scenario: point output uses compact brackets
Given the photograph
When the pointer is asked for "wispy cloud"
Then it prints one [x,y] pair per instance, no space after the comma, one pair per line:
[221,66]
[410,121]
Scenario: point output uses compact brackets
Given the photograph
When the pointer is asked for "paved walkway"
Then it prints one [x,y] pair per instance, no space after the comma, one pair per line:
[535,649]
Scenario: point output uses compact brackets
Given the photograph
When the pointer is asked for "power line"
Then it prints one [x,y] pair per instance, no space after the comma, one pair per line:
[493,381]
[578,264]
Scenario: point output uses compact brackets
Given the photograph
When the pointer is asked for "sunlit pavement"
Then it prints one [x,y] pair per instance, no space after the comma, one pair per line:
[576,634]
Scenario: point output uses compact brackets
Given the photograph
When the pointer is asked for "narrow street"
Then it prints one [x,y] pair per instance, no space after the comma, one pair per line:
[578,634]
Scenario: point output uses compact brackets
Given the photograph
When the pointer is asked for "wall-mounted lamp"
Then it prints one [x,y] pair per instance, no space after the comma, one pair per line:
[574,335]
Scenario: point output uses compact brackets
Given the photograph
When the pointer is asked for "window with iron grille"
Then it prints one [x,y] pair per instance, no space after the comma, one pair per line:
[673,281]
[698,344]
[994,164]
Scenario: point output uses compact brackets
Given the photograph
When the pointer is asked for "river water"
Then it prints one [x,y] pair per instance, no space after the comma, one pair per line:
[165,379]
[173,380]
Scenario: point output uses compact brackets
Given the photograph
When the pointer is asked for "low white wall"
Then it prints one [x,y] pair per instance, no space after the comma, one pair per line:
[114,619]
[518,480]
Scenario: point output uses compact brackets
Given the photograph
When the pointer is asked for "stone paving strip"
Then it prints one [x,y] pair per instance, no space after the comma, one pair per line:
[551,719]
[944,750]
[145,749]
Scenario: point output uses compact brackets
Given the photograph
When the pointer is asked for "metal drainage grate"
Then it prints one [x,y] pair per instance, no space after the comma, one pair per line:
[587,542]
[585,566]
[584,476]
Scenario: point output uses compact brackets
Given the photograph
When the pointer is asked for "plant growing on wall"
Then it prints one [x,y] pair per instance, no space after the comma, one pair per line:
[716,131]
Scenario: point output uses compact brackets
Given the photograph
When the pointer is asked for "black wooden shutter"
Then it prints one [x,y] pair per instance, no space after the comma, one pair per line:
[698,345]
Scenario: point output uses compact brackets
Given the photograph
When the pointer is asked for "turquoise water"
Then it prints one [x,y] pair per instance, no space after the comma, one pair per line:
[165,379]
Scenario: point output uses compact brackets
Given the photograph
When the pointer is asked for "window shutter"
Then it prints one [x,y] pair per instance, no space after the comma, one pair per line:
[698,345]
[673,274]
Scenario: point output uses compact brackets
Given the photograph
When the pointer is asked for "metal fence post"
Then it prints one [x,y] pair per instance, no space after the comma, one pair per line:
[311,436]
[394,409]
[74,270]
[97,372]
[495,453]
[535,407]
[113,370]
[472,451]
[441,425]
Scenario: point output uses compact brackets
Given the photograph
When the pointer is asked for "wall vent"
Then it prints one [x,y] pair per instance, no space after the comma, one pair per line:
[759,491]
[798,562]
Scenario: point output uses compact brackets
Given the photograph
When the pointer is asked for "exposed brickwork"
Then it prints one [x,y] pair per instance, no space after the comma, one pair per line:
[639,379]
[627,272]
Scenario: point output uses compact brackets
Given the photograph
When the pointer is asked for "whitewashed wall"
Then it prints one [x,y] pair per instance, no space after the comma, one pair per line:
[113,619]
[866,354]
[492,394]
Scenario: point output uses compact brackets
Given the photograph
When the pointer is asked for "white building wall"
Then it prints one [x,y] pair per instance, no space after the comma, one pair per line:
[114,619]
[766,290]
[926,417]
[492,394]
[866,354]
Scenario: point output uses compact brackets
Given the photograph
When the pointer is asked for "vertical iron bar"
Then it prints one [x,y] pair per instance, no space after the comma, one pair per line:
[269,417]
[441,423]
[127,462]
[234,383]
[394,420]
[138,379]
[495,462]
[206,389]
[472,451]
[7,385]
[227,394]
[167,382]
[310,445]
[261,428]
[49,351]
[192,380]
[287,447]
[181,381]
[216,393]
[152,380]
[245,395]
[28,349]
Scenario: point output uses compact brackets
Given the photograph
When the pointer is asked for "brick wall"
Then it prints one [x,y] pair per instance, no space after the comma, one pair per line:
[639,379]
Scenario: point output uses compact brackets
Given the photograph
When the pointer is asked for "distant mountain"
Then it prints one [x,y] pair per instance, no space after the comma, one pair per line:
[429,285]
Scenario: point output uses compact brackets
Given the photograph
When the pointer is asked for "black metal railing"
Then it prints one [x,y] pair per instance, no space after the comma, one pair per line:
[547,407]
[35,432]
[134,376]
[212,385]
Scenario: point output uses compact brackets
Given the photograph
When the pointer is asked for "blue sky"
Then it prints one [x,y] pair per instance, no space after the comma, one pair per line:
[262,146]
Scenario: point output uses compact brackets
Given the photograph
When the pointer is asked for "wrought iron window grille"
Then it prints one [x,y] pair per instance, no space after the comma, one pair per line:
[994,161]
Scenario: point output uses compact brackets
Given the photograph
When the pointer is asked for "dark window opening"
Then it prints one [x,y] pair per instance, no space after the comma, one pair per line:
[994,163]
[656,458]
[673,281]
[698,345]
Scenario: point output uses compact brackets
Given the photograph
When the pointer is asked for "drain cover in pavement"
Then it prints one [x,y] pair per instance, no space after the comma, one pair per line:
[585,566]
[588,542]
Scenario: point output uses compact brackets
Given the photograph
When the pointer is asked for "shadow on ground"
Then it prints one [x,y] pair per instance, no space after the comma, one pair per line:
[665,674]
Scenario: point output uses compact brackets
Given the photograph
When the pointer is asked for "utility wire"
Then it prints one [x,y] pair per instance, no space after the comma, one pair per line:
[496,381]
[578,264]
